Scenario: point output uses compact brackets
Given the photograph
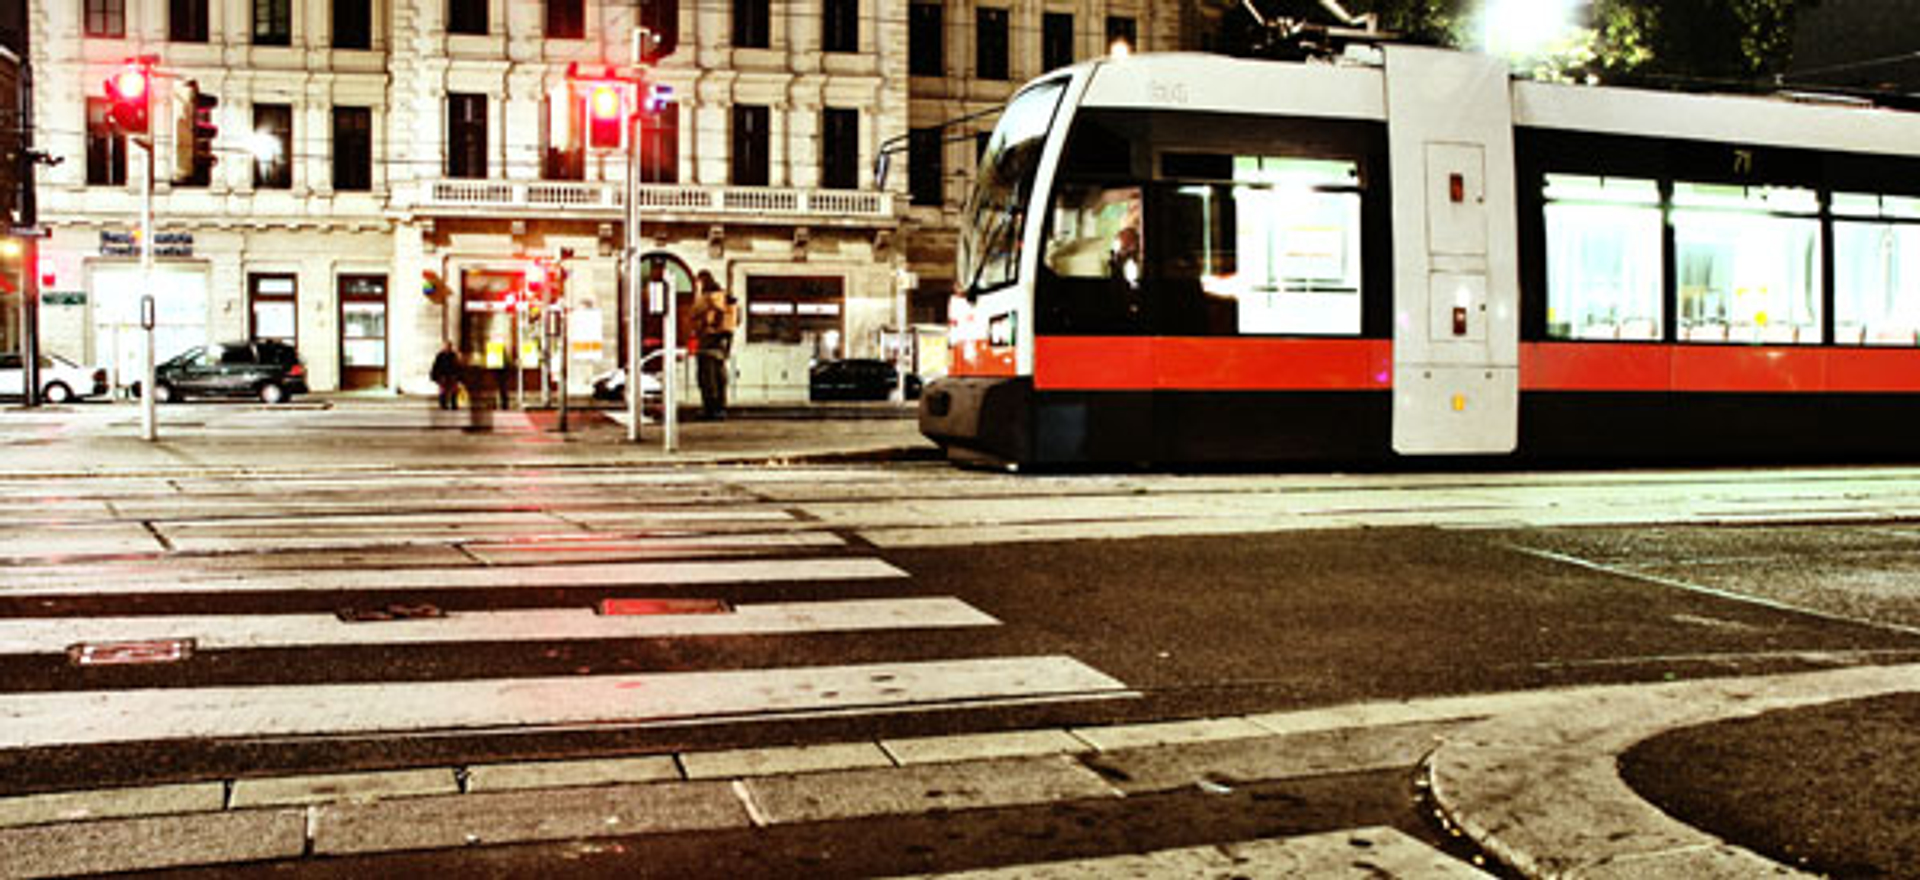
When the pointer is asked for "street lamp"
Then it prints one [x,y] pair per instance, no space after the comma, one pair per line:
[1524,28]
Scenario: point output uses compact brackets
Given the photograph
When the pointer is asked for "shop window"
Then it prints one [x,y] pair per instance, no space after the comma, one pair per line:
[840,26]
[797,310]
[926,40]
[352,149]
[271,303]
[1876,269]
[352,24]
[187,21]
[466,135]
[272,22]
[106,148]
[1056,40]
[1603,258]
[1747,263]
[990,43]
[363,330]
[273,159]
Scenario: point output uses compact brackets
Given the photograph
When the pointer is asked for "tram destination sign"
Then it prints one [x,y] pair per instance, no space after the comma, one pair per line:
[127,244]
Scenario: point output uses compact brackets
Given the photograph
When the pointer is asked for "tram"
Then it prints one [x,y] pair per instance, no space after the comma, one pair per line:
[1406,253]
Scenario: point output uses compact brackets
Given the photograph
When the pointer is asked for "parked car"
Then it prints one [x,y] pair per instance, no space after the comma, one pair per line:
[857,379]
[269,370]
[612,385]
[61,380]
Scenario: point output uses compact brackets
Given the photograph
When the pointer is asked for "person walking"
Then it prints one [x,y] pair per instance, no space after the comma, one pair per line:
[446,374]
[714,319]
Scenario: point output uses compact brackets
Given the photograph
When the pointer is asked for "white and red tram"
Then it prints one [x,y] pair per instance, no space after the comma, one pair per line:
[1190,258]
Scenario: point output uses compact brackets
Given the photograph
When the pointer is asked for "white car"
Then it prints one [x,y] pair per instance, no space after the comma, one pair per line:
[61,380]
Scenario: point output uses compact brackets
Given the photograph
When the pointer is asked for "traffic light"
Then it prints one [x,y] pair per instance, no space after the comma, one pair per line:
[606,115]
[193,133]
[536,282]
[129,94]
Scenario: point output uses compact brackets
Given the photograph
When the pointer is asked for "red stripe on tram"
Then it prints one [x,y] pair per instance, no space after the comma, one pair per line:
[1651,367]
[1139,363]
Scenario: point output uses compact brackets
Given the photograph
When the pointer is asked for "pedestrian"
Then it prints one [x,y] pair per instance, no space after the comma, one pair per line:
[714,318]
[446,374]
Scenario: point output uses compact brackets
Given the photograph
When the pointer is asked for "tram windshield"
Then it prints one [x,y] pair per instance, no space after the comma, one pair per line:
[997,212]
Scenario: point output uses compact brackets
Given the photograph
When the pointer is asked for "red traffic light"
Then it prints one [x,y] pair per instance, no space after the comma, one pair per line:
[127,93]
[606,111]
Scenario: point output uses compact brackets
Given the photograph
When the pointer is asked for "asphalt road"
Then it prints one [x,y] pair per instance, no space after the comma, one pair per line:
[1250,612]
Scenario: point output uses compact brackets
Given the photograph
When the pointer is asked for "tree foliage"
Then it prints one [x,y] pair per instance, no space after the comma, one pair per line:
[1612,39]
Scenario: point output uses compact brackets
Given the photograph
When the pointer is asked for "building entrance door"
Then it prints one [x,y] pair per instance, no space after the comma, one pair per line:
[363,331]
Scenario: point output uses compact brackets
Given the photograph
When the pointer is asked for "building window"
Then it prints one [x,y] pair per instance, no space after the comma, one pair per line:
[1603,257]
[839,148]
[1876,269]
[467,17]
[352,24]
[353,149]
[752,24]
[660,146]
[566,151]
[187,21]
[273,163]
[1120,30]
[662,19]
[840,28]
[106,18]
[925,166]
[926,40]
[466,135]
[1056,40]
[751,138]
[990,44]
[271,299]
[106,149]
[566,19]
[797,310]
[272,22]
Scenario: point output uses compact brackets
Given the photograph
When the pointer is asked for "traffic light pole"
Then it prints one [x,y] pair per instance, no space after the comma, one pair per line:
[148,430]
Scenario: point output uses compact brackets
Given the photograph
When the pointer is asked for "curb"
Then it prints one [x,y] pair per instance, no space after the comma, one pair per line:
[1540,788]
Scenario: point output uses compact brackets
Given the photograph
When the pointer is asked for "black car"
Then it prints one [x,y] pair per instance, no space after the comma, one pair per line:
[265,369]
[857,379]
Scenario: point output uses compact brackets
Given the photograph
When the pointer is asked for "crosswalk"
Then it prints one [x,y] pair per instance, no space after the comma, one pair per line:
[485,567]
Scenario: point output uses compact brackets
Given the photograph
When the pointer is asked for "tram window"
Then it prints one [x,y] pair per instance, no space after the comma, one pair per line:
[1603,258]
[1096,233]
[1747,263]
[1876,270]
[1275,252]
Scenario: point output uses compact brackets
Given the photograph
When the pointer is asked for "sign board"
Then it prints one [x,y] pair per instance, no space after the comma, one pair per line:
[64,298]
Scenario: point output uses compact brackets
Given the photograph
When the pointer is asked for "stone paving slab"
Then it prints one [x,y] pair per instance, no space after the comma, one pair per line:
[571,774]
[1370,853]
[112,803]
[1133,736]
[526,817]
[1233,762]
[982,746]
[326,788]
[151,843]
[852,794]
[738,763]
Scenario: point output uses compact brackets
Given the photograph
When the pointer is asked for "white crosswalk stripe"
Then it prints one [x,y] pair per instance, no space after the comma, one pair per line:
[94,717]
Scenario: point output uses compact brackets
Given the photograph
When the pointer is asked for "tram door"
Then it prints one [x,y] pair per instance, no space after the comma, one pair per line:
[1456,269]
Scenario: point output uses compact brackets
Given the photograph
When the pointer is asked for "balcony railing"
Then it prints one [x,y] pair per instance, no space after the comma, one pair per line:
[536,197]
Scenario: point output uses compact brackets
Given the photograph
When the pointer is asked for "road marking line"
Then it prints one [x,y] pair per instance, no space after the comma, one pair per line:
[638,574]
[239,631]
[91,717]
